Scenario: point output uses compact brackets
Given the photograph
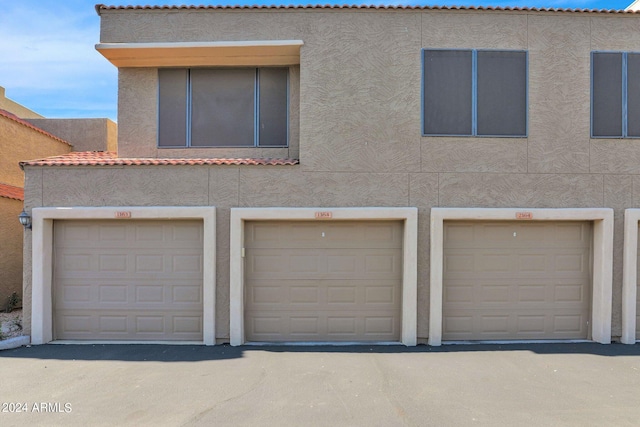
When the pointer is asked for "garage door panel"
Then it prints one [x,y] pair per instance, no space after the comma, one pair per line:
[317,294]
[86,234]
[511,280]
[347,234]
[345,294]
[534,293]
[478,325]
[323,263]
[115,263]
[492,263]
[363,235]
[567,235]
[334,326]
[124,325]
[108,294]
[303,285]
[533,263]
[160,293]
[128,280]
[488,293]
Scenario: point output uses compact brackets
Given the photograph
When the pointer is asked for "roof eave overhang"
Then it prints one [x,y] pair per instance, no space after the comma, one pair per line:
[198,54]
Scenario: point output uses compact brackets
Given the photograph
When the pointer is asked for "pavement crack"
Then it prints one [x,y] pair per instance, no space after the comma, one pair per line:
[197,418]
[386,383]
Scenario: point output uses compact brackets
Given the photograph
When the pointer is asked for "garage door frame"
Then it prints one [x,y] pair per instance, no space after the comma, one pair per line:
[602,257]
[42,259]
[409,256]
[630,276]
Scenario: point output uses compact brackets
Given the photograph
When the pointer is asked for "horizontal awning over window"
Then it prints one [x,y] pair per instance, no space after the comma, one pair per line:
[193,54]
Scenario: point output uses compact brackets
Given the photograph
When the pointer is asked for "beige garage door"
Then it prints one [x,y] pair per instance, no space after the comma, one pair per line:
[128,280]
[516,280]
[323,281]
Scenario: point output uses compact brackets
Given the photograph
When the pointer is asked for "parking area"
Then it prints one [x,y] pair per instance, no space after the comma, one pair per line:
[525,384]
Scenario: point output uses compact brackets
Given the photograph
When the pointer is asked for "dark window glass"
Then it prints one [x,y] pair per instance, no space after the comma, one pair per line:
[222,107]
[607,94]
[172,117]
[273,107]
[447,92]
[633,94]
[502,93]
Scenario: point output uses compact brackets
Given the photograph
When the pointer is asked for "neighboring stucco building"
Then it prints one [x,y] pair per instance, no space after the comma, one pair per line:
[26,135]
[352,174]
[97,134]
[13,107]
[11,198]
[19,141]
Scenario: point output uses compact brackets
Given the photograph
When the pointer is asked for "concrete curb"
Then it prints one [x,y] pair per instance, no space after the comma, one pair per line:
[15,342]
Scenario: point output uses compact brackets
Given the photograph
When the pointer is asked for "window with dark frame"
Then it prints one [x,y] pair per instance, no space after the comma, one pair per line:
[615,95]
[223,107]
[474,93]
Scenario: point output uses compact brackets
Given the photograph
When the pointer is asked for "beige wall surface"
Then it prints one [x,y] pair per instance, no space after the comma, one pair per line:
[360,140]
[19,142]
[83,134]
[11,234]
[15,108]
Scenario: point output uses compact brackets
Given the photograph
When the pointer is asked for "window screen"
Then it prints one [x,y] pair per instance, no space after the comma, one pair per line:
[447,92]
[471,92]
[502,93]
[223,107]
[606,94]
[633,94]
[222,110]
[273,107]
[172,117]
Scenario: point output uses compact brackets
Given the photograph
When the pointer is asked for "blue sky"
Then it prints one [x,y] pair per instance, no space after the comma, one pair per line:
[49,64]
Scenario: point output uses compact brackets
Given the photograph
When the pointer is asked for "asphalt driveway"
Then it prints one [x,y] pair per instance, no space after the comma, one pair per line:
[483,385]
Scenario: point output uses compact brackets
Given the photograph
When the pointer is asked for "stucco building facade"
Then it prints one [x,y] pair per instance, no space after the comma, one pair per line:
[363,196]
[26,135]
[19,140]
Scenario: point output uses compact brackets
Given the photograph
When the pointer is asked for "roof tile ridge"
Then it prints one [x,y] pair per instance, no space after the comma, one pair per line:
[23,122]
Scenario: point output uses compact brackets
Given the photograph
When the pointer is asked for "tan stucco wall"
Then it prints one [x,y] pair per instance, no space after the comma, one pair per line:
[83,134]
[15,108]
[19,142]
[360,140]
[141,140]
[11,233]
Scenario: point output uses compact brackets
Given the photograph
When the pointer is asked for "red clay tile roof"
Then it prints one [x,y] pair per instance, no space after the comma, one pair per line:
[17,119]
[100,7]
[109,158]
[11,192]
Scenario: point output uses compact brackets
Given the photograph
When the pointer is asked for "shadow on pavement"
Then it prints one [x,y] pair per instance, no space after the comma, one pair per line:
[196,353]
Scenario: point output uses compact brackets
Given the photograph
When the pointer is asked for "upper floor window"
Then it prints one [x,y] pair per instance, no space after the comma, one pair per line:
[223,107]
[615,95]
[474,93]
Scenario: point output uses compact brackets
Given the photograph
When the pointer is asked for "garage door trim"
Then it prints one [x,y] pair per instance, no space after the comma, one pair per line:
[630,276]
[42,260]
[602,257]
[409,263]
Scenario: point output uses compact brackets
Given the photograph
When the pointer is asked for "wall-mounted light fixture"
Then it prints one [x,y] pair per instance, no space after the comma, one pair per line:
[25,220]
